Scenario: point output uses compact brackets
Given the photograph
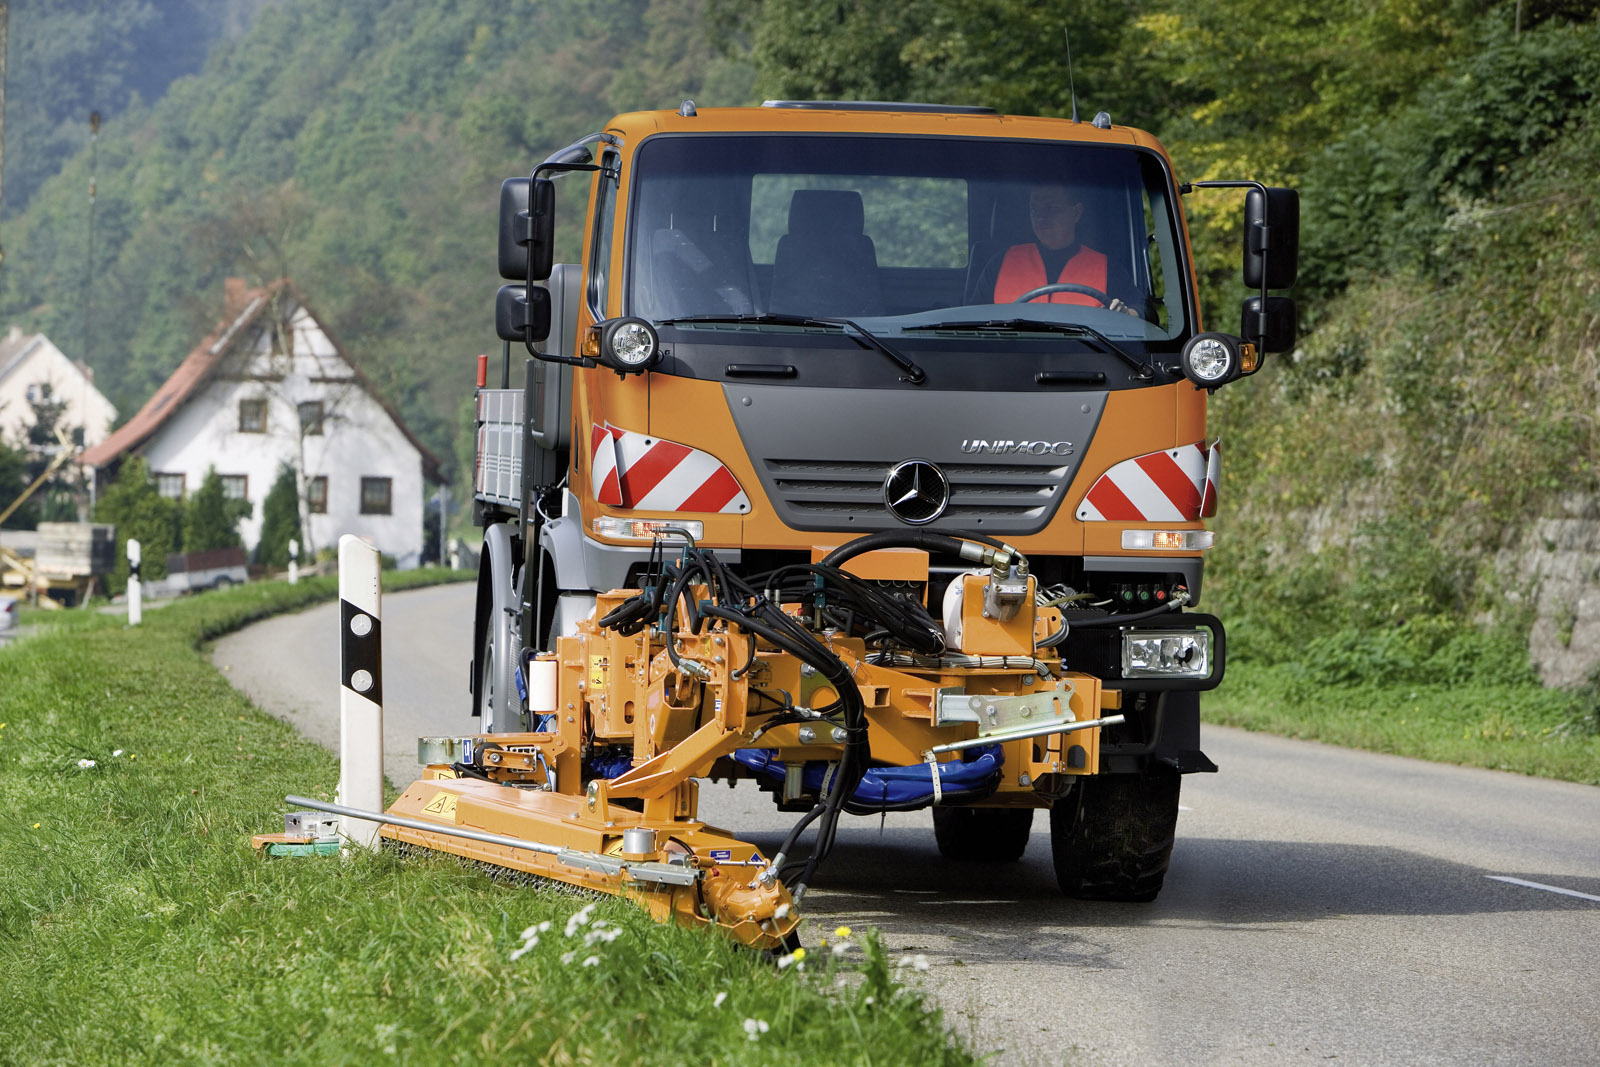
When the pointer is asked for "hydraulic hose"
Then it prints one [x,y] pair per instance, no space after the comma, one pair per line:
[926,540]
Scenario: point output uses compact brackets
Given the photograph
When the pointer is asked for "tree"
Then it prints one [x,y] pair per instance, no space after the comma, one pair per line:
[210,519]
[280,520]
[13,480]
[139,511]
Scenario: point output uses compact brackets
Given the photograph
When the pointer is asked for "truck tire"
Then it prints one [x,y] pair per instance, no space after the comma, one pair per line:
[982,835]
[1111,837]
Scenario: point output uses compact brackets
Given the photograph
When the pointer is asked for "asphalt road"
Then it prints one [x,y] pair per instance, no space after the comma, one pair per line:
[1323,905]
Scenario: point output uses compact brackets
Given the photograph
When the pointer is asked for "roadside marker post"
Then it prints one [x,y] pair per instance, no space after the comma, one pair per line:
[361,692]
[135,599]
[294,562]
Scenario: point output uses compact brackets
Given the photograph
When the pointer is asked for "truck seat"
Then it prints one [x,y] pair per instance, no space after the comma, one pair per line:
[826,264]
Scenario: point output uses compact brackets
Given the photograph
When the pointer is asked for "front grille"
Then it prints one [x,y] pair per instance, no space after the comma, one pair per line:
[1002,498]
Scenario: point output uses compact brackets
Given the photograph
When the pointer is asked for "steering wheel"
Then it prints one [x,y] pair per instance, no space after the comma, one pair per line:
[1064,287]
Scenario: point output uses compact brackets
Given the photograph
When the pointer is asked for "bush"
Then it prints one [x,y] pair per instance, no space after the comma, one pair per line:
[138,510]
[280,520]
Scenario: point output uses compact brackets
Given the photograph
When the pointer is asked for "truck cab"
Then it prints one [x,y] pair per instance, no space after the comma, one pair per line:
[799,325]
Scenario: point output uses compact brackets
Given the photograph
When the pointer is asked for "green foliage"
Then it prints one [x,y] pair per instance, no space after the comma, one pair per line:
[280,520]
[1392,193]
[69,57]
[210,519]
[13,480]
[139,512]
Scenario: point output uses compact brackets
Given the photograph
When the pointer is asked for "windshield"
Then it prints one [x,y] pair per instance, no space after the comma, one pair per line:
[907,236]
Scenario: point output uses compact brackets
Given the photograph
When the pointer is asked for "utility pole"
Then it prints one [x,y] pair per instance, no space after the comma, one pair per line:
[5,39]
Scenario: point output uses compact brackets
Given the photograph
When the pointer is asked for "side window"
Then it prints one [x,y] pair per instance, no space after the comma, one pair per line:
[605,220]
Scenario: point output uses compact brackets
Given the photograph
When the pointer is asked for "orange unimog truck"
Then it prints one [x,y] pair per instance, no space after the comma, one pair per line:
[863,455]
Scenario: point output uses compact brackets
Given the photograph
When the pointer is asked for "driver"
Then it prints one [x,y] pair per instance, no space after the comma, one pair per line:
[1054,256]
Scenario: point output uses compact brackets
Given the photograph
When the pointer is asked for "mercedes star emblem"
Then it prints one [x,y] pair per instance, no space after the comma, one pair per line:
[916,492]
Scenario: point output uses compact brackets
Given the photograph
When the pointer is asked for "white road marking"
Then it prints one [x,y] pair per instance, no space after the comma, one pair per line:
[1184,807]
[1546,888]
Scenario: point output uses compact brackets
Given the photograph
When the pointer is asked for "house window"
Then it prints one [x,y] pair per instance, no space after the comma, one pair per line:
[317,495]
[311,417]
[170,486]
[252,416]
[236,486]
[375,495]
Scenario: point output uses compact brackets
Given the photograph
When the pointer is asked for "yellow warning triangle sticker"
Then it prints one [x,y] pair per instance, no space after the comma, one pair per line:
[443,805]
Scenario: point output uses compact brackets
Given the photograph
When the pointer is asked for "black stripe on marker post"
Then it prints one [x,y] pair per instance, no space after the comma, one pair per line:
[361,650]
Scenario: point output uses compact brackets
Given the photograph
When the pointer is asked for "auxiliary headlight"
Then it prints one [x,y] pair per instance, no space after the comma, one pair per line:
[629,345]
[1166,654]
[645,529]
[1212,359]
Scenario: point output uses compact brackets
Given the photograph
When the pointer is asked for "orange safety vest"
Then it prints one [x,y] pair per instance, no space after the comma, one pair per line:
[1023,269]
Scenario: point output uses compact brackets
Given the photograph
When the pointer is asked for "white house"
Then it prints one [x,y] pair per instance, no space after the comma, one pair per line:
[31,368]
[270,386]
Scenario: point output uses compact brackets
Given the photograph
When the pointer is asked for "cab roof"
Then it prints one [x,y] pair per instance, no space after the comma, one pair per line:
[820,116]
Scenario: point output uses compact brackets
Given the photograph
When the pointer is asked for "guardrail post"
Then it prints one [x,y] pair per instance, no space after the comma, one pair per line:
[361,692]
[294,562]
[135,586]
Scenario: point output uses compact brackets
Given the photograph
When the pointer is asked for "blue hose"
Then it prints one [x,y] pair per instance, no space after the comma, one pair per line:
[891,788]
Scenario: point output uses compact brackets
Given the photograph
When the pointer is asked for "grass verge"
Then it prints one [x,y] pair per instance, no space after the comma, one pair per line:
[1513,727]
[136,925]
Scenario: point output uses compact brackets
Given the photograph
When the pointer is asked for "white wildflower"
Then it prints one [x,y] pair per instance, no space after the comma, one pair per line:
[754,1028]
[579,918]
[117,753]
[518,953]
[839,948]
[870,1000]
[720,997]
[592,961]
[568,957]
[531,933]
[600,932]
[86,763]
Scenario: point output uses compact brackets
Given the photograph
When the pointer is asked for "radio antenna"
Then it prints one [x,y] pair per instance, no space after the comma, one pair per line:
[1071,88]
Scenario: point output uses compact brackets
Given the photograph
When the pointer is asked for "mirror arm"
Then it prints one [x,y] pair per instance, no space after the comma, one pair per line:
[1264,237]
[556,164]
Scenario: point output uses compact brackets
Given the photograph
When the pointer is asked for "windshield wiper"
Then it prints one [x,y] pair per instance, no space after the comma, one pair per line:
[913,373]
[1069,329]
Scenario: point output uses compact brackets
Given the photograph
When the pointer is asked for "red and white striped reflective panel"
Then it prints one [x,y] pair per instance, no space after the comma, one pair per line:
[633,470]
[1175,485]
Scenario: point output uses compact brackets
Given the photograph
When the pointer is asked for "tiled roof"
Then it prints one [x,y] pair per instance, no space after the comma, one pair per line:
[195,369]
[244,308]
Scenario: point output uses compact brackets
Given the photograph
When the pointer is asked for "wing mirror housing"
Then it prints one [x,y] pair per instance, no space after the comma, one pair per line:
[1270,325]
[522,313]
[1271,238]
[527,229]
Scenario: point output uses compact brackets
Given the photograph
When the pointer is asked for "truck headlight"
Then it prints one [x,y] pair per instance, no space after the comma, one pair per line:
[629,345]
[645,529]
[1212,359]
[1168,540]
[1166,654]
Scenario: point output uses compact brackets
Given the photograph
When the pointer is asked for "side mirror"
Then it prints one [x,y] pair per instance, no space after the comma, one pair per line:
[522,314]
[1270,328]
[1271,238]
[527,228]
